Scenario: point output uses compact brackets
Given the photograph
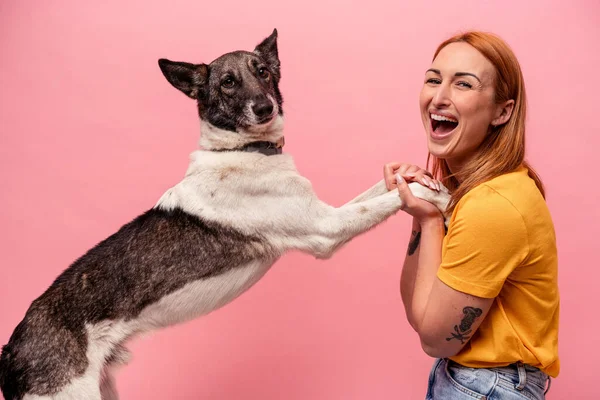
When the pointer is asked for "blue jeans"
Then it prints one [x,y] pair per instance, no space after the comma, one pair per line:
[451,381]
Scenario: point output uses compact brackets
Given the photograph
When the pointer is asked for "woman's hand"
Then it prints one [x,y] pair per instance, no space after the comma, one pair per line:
[397,176]
[422,211]
[410,173]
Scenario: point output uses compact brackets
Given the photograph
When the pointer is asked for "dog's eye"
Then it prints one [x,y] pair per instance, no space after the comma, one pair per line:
[228,82]
[263,73]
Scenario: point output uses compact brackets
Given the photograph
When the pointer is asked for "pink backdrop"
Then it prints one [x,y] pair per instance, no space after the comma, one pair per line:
[92,134]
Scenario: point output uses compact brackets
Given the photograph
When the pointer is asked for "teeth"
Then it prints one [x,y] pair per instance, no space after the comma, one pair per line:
[442,118]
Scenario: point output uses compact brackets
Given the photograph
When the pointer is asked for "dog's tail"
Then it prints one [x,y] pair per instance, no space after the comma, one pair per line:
[4,366]
[4,357]
[8,384]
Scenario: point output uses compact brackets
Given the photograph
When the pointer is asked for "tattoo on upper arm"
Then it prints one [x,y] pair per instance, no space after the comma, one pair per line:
[414,242]
[462,331]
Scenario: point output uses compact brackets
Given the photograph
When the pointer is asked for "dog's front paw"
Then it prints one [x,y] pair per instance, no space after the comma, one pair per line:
[440,199]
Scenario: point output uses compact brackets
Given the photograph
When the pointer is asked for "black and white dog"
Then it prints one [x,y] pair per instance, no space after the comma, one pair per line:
[240,206]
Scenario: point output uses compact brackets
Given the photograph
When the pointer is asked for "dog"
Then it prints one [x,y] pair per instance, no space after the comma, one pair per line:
[240,206]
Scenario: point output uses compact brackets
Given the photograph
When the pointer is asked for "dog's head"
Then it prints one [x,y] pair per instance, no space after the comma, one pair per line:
[237,92]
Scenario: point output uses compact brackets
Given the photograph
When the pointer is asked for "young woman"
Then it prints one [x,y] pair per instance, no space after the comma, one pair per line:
[483,297]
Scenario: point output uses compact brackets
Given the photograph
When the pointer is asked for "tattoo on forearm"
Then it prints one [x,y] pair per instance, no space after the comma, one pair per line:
[462,331]
[415,239]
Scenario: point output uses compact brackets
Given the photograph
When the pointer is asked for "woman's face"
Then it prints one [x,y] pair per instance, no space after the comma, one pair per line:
[458,104]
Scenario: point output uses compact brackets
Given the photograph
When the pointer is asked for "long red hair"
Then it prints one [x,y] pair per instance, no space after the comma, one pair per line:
[503,149]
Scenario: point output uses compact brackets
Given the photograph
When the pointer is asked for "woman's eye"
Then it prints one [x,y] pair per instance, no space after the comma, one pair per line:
[263,73]
[464,84]
[434,81]
[228,82]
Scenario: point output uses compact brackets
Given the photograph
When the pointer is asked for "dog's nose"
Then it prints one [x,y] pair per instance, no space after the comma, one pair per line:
[262,108]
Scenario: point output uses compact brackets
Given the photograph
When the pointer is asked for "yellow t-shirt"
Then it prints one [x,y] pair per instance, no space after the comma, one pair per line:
[501,244]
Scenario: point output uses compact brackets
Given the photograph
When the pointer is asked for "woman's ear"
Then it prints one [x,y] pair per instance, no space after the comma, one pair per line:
[503,113]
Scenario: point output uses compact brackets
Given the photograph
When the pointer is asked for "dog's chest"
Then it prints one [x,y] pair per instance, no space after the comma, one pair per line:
[244,191]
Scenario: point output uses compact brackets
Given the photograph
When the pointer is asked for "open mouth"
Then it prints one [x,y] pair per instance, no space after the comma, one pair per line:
[442,125]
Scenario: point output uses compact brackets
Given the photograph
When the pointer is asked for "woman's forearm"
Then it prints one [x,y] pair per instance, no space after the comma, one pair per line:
[429,260]
[409,271]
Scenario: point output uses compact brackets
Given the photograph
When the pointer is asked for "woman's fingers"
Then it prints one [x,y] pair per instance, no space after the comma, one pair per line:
[404,192]
[408,172]
[389,171]
[425,180]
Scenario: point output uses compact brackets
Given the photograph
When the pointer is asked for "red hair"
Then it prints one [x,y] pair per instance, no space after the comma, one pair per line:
[503,149]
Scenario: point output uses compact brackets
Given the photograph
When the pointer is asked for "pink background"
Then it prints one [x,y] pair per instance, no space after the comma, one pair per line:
[92,135]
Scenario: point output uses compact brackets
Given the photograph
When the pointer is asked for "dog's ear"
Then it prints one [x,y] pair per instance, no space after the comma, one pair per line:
[189,78]
[267,50]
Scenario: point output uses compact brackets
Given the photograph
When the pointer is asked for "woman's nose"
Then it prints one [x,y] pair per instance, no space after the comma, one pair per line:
[441,98]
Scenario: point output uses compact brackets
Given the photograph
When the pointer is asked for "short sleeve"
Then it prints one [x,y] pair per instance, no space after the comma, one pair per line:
[486,240]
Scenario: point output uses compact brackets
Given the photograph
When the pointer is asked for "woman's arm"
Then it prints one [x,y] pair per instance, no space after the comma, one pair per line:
[444,318]
[450,319]
[409,271]
[430,234]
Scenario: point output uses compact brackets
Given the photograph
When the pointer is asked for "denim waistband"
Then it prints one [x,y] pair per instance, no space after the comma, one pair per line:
[523,373]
